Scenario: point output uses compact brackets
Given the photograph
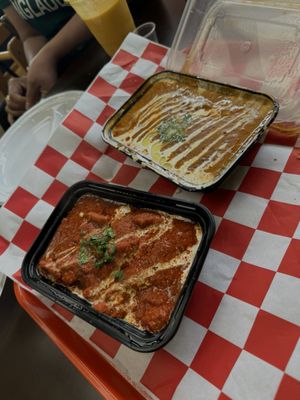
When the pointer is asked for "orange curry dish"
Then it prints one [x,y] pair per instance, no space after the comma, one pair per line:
[193,129]
[127,262]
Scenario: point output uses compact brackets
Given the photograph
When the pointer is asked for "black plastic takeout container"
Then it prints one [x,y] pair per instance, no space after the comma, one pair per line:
[214,86]
[127,334]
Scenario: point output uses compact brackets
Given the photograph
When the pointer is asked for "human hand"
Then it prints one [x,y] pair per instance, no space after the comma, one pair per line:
[41,77]
[16,98]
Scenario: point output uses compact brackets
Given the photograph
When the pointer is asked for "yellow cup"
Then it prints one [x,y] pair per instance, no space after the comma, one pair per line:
[108,20]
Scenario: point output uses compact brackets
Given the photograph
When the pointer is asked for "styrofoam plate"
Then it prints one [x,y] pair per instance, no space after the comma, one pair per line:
[24,141]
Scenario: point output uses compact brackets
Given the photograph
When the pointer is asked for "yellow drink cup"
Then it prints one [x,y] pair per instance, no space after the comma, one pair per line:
[108,20]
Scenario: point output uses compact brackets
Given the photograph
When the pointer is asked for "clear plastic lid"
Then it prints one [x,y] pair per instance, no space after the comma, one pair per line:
[252,44]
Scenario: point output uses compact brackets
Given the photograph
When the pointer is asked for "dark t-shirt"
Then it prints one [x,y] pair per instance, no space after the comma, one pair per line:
[46,16]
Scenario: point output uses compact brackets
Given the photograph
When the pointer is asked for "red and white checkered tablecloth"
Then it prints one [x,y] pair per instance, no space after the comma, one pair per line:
[239,338]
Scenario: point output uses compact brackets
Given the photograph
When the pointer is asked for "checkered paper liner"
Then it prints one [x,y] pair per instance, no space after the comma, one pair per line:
[239,337]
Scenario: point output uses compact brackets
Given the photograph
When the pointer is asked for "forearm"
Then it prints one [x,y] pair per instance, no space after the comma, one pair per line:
[71,35]
[42,71]
[32,45]
[32,40]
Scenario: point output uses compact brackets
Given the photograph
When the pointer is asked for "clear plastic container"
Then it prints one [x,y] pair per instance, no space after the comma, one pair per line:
[251,44]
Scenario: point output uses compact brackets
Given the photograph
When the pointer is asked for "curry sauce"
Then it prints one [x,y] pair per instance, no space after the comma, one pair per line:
[127,262]
[192,128]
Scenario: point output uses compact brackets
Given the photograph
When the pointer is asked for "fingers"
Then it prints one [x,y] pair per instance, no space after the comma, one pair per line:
[33,95]
[10,119]
[16,99]
[17,86]
[23,94]
[14,113]
[41,77]
[15,103]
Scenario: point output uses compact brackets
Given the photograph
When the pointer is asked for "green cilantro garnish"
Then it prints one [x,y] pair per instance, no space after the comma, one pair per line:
[173,129]
[83,257]
[119,275]
[186,120]
[98,248]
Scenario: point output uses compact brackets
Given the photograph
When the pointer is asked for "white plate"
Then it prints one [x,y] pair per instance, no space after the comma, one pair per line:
[24,141]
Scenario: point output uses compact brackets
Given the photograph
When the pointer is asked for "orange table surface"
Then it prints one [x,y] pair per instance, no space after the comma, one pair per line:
[105,379]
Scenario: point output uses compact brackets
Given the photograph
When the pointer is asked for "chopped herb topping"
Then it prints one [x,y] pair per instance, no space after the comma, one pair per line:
[98,248]
[83,255]
[186,120]
[173,129]
[119,275]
